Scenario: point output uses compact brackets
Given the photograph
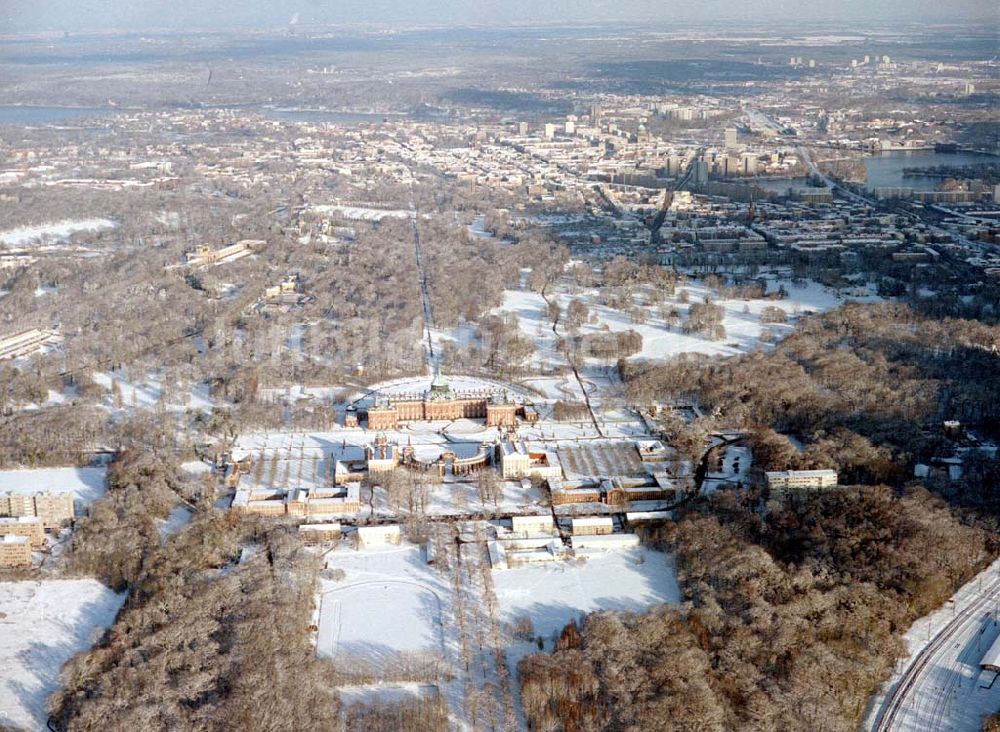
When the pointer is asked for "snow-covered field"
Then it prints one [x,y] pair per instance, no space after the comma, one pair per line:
[661,338]
[86,484]
[462,498]
[742,322]
[463,335]
[179,518]
[533,321]
[388,602]
[42,625]
[147,393]
[554,593]
[49,233]
[736,462]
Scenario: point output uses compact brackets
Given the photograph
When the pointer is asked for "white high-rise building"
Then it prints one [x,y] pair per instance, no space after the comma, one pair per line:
[732,138]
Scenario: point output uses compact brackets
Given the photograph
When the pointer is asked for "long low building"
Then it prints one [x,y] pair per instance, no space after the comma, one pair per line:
[386,535]
[604,541]
[341,500]
[320,533]
[526,525]
[53,509]
[592,525]
[52,494]
[29,526]
[26,343]
[786,480]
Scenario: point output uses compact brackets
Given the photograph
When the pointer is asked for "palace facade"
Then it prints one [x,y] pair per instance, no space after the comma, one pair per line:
[440,402]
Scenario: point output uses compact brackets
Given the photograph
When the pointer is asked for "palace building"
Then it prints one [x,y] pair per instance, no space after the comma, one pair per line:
[440,402]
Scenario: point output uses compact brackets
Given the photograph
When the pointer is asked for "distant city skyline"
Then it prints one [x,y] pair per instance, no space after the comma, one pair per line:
[78,15]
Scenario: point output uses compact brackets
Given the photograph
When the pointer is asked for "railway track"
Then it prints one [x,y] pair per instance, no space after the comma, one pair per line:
[895,702]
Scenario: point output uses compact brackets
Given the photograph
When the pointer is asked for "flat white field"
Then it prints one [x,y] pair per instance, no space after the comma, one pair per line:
[43,624]
[50,233]
[554,593]
[389,602]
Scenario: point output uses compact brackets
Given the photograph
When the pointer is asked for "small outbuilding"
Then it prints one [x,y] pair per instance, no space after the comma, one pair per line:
[592,525]
[374,536]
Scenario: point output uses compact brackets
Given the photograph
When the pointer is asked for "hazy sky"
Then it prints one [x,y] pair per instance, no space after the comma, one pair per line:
[30,15]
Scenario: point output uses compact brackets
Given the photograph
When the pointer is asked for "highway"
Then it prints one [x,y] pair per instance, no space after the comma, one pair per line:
[940,687]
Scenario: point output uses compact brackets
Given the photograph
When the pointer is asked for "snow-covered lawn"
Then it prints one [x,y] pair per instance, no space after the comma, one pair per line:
[42,625]
[554,593]
[388,602]
[48,233]
[462,335]
[661,338]
[148,393]
[454,498]
[735,464]
[533,321]
[742,318]
[179,518]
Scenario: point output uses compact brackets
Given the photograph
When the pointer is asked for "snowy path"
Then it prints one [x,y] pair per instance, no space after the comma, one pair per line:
[425,298]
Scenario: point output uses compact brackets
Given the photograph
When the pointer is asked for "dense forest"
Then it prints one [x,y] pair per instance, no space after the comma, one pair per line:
[865,389]
[211,637]
[793,613]
[792,620]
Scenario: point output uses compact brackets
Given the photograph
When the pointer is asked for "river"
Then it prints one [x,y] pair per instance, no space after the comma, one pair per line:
[24,115]
[885,170]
